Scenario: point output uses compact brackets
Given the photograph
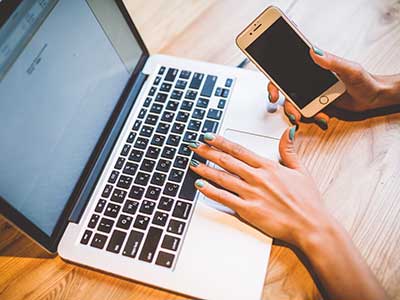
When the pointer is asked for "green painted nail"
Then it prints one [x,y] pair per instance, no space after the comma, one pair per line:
[318,51]
[199,183]
[292,119]
[194,145]
[209,136]
[322,123]
[194,163]
[292,131]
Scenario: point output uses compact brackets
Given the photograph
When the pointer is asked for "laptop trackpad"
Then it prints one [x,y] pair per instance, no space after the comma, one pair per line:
[261,145]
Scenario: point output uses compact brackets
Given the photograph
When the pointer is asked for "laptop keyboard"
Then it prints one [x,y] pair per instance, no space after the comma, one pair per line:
[145,207]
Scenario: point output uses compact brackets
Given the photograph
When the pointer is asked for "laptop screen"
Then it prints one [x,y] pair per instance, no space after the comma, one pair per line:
[63,67]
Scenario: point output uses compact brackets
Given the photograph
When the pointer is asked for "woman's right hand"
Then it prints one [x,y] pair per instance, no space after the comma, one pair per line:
[363,91]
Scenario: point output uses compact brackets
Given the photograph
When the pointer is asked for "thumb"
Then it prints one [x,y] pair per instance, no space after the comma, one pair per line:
[287,150]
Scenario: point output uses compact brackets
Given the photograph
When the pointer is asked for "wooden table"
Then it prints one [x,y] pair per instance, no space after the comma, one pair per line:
[356,165]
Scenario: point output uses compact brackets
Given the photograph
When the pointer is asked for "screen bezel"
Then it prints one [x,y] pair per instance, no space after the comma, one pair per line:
[256,28]
[50,243]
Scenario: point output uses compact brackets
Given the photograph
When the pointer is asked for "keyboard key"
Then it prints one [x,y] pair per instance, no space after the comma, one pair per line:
[157,80]
[112,210]
[120,163]
[188,191]
[125,150]
[105,225]
[125,221]
[215,114]
[161,71]
[147,207]
[142,113]
[130,207]
[196,81]
[184,150]
[194,125]
[182,116]
[221,103]
[176,175]
[118,195]
[93,221]
[161,97]
[163,128]
[165,87]
[210,126]
[171,74]
[100,206]
[202,102]
[160,218]
[191,95]
[136,192]
[181,162]
[141,222]
[147,102]
[168,116]
[158,140]
[177,95]
[152,91]
[146,131]
[150,244]
[153,192]
[170,242]
[107,191]
[148,165]
[136,155]
[225,93]
[189,136]
[153,152]
[151,119]
[165,203]
[99,240]
[141,143]
[165,259]
[187,105]
[209,85]
[176,227]
[156,108]
[136,125]
[181,84]
[178,128]
[124,182]
[185,74]
[163,165]
[182,210]
[173,140]
[172,105]
[113,176]
[130,168]
[116,241]
[198,114]
[218,92]
[142,178]
[131,137]
[228,82]
[133,243]
[158,179]
[171,189]
[86,237]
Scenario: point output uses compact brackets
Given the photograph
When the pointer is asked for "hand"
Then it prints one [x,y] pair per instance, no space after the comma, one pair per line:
[364,91]
[281,201]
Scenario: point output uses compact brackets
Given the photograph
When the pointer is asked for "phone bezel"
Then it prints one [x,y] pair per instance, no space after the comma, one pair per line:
[267,18]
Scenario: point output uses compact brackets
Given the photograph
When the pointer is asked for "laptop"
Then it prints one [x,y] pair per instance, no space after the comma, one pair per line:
[94,149]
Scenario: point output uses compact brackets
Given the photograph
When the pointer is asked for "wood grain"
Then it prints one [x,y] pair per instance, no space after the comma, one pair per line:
[355,164]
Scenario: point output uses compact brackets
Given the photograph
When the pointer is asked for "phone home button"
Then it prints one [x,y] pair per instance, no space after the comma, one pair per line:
[323,100]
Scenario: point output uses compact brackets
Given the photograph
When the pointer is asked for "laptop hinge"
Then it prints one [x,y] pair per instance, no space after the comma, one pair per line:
[89,185]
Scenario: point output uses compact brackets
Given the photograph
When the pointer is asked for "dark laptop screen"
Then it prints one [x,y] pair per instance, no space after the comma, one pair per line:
[63,67]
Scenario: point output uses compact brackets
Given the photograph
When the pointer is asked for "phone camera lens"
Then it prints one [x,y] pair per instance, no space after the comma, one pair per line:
[251,33]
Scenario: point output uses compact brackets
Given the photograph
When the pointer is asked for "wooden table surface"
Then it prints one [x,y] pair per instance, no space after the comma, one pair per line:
[356,164]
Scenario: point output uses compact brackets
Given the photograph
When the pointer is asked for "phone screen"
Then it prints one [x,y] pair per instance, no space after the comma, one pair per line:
[286,58]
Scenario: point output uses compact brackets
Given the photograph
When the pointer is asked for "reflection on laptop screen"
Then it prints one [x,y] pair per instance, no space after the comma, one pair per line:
[63,66]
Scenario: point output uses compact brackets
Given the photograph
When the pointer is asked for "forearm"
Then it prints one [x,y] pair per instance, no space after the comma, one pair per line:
[390,90]
[339,266]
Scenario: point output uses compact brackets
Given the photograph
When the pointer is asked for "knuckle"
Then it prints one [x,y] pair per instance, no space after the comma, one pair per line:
[237,151]
[224,159]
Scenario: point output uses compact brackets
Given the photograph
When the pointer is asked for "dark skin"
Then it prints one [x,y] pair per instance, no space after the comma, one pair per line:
[282,200]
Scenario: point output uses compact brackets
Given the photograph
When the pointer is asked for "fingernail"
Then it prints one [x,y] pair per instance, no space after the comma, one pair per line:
[318,51]
[194,145]
[292,131]
[322,123]
[194,163]
[292,119]
[209,136]
[199,183]
[269,97]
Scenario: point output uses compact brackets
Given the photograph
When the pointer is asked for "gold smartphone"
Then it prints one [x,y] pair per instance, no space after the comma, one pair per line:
[276,46]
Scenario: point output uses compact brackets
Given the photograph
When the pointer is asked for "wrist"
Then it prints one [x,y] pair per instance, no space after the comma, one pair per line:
[389,90]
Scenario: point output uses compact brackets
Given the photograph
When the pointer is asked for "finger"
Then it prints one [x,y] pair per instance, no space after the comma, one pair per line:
[273,92]
[234,149]
[287,150]
[224,179]
[292,113]
[224,197]
[322,120]
[224,160]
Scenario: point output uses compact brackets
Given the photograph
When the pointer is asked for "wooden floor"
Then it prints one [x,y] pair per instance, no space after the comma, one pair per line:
[356,165]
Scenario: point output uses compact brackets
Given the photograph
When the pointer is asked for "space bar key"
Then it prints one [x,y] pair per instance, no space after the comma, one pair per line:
[188,191]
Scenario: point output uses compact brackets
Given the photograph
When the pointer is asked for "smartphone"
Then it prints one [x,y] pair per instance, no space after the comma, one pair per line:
[276,46]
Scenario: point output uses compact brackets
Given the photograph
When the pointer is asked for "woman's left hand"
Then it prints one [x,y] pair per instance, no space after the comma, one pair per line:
[280,200]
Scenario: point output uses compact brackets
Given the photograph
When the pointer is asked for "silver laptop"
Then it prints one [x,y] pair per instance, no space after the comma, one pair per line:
[94,156]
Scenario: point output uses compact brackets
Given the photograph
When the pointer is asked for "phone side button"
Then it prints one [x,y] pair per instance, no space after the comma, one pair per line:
[323,100]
